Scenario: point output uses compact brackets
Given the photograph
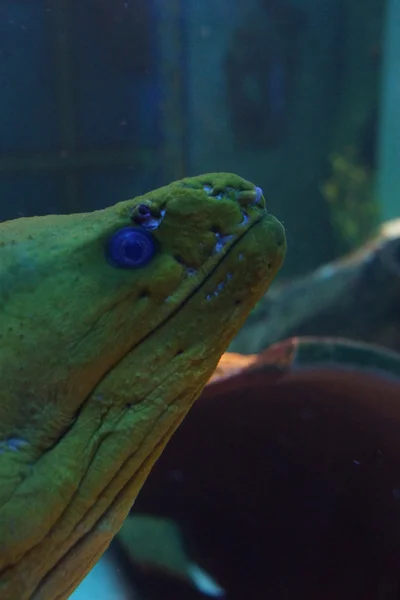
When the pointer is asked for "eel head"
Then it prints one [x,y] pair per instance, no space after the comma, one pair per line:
[111,322]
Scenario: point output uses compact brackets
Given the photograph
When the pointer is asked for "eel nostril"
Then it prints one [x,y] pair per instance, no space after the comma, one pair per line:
[251,197]
[259,194]
[143,210]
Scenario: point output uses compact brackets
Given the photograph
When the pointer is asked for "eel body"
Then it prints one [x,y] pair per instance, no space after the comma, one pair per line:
[106,341]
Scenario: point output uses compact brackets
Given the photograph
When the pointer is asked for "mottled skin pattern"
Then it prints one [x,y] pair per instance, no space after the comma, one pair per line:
[99,365]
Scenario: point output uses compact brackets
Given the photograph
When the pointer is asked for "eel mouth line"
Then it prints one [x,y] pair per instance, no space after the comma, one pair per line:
[87,399]
[153,331]
[170,316]
[184,302]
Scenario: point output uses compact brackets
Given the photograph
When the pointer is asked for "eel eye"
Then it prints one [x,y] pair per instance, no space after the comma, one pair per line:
[130,248]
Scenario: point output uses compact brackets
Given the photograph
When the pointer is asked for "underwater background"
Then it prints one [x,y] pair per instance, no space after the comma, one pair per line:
[103,100]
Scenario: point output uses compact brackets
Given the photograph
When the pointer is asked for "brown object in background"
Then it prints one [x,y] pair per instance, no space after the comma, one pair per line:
[357,297]
[284,479]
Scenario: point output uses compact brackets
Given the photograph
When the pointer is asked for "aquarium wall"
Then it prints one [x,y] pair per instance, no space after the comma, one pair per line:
[81,106]
[388,185]
[105,100]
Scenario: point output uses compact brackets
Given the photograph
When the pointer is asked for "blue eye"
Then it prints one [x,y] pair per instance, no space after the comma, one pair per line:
[130,248]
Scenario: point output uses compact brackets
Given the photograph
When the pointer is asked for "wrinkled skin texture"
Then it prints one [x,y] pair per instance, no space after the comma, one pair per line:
[99,365]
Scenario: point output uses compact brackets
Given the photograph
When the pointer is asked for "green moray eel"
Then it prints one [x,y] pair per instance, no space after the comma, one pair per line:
[99,364]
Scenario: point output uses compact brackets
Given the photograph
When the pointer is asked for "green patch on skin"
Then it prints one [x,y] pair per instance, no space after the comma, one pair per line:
[100,364]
